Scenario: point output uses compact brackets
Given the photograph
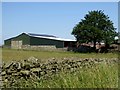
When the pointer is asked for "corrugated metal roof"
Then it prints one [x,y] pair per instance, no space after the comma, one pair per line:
[48,37]
[44,35]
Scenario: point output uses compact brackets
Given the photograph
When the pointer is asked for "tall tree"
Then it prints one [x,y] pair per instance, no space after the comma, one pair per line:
[95,27]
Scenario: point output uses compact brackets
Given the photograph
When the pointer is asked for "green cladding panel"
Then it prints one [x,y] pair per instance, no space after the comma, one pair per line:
[29,40]
[43,41]
[24,37]
[7,42]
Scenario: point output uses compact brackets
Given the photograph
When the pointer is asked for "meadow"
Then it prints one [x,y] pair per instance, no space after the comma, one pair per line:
[9,55]
[100,75]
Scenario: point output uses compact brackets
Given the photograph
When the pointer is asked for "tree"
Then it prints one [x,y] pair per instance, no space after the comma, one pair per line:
[95,27]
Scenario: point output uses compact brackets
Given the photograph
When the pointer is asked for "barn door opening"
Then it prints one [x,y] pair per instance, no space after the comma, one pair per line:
[66,44]
[16,44]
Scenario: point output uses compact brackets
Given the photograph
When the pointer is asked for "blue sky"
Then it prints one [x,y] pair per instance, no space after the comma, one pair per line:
[50,18]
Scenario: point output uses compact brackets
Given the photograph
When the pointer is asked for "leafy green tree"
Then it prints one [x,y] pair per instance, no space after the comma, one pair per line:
[95,27]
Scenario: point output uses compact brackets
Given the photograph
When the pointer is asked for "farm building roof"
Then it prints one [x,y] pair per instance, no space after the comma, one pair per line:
[48,37]
[45,35]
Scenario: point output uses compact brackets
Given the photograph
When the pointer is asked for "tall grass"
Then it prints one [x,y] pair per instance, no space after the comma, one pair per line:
[100,76]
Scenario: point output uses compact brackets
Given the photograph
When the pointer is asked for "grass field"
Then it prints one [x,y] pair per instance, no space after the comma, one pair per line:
[8,55]
[100,76]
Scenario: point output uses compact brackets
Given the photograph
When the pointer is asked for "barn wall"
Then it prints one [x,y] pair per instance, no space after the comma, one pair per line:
[28,40]
[23,37]
[7,42]
[41,41]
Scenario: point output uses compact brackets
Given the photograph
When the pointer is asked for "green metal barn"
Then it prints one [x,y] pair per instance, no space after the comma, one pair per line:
[38,40]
